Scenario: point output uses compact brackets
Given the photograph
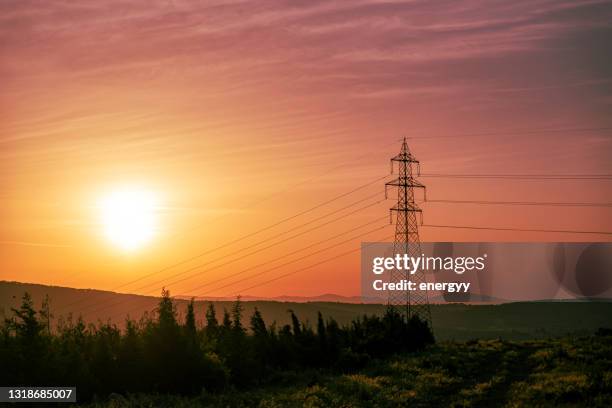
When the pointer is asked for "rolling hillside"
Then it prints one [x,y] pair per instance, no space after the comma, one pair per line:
[512,321]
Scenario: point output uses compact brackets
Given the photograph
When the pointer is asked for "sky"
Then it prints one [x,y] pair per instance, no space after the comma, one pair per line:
[250,121]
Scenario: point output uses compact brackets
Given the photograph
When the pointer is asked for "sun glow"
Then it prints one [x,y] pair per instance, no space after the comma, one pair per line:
[129,217]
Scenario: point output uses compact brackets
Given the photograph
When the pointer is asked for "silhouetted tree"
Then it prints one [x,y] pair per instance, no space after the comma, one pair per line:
[237,310]
[24,322]
[158,354]
[45,314]
[295,323]
[322,336]
[166,312]
[258,326]
[212,325]
[190,321]
[227,321]
[29,346]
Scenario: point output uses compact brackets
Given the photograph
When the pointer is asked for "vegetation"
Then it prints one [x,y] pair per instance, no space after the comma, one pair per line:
[567,372]
[167,361]
[461,322]
[165,355]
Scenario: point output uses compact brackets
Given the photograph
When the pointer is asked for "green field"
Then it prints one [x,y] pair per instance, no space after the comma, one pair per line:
[570,371]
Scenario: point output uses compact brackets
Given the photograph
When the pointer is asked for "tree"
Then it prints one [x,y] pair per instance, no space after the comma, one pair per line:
[258,326]
[190,323]
[164,356]
[227,321]
[211,319]
[322,335]
[30,352]
[166,312]
[24,322]
[165,347]
[237,310]
[297,330]
[45,313]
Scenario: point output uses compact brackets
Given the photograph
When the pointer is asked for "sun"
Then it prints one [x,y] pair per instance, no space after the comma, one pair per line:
[129,217]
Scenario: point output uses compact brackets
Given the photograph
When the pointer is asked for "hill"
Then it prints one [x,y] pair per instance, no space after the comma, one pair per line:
[512,321]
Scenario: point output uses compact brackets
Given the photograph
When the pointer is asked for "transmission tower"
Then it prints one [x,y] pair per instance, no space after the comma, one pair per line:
[408,303]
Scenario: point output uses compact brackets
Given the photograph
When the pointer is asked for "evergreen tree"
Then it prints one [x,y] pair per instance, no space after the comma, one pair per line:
[227,321]
[237,310]
[30,350]
[162,356]
[166,311]
[45,314]
[24,323]
[322,336]
[258,326]
[211,319]
[190,322]
[295,323]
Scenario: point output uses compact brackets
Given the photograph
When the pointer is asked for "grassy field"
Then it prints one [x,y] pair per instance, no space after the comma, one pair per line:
[569,371]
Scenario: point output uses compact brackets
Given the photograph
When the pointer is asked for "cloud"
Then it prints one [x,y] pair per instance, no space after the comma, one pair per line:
[34,244]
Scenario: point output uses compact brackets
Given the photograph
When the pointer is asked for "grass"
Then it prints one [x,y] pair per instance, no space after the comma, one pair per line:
[568,371]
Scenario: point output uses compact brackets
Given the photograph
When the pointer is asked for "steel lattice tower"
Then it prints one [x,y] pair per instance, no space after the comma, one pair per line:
[408,303]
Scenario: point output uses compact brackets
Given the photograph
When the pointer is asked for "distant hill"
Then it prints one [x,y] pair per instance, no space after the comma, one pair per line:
[328,297]
[516,320]
[473,298]
[98,305]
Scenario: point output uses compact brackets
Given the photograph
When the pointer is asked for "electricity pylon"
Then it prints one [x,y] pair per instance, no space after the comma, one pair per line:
[408,303]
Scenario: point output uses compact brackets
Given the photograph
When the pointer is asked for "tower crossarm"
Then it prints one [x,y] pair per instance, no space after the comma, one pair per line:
[409,207]
[405,182]
[405,157]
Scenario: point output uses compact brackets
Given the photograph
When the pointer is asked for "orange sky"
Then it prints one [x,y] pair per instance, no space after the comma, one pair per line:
[217,106]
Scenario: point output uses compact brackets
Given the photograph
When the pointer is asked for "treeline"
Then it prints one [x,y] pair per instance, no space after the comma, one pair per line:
[164,355]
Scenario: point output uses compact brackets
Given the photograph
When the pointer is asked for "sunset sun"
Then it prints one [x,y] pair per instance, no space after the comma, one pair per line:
[129,217]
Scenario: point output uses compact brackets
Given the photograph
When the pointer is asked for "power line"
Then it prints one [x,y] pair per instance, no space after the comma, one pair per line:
[522,176]
[581,177]
[290,187]
[534,203]
[295,260]
[243,237]
[284,256]
[266,228]
[232,260]
[546,177]
[441,226]
[468,227]
[518,229]
[266,240]
[305,268]
[516,132]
